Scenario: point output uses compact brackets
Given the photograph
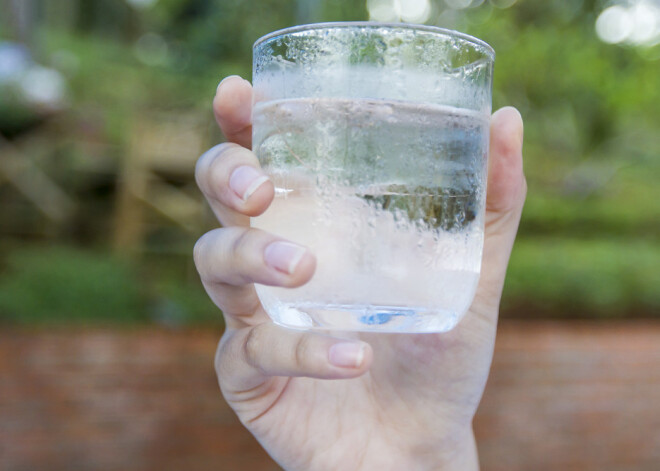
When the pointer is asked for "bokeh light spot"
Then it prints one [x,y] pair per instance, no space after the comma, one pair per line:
[43,86]
[381,10]
[142,4]
[636,23]
[458,4]
[415,11]
[614,24]
[151,49]
[645,19]
[412,11]
[502,3]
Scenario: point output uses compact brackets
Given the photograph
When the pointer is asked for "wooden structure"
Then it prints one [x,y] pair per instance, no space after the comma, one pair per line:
[18,169]
[157,176]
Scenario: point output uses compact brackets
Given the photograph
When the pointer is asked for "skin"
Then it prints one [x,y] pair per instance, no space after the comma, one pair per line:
[393,401]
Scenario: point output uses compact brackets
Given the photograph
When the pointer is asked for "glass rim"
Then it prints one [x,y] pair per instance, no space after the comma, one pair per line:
[481,44]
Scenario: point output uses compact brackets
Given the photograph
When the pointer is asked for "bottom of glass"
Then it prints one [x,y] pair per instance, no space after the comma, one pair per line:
[362,318]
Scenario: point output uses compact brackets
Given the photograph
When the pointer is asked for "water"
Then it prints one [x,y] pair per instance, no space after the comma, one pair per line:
[389,196]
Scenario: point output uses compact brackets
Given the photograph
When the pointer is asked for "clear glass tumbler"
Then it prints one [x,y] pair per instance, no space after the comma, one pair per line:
[376,138]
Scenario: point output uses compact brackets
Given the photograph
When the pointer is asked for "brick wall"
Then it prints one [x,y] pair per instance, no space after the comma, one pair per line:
[561,396]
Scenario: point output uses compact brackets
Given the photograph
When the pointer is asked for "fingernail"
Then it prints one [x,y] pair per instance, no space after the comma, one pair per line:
[217,90]
[284,256]
[346,354]
[245,180]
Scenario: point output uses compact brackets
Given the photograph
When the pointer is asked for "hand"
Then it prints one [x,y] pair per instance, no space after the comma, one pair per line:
[404,401]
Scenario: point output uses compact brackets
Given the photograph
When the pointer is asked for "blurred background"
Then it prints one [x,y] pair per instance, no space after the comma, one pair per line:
[106,336]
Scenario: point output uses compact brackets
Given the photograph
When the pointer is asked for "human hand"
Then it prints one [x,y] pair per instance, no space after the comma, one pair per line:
[405,401]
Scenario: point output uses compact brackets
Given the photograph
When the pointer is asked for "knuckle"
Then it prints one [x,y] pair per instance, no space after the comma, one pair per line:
[224,362]
[203,253]
[302,352]
[219,355]
[244,256]
[225,255]
[204,162]
[253,344]
[206,169]
[199,251]
[241,243]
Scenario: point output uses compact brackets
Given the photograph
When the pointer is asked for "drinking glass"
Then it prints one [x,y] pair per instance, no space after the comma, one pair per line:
[376,139]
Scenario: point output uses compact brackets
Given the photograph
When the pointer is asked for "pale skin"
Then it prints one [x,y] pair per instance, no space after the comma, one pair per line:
[329,401]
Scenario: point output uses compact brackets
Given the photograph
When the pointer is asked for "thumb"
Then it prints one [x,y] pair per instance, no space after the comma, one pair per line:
[504,202]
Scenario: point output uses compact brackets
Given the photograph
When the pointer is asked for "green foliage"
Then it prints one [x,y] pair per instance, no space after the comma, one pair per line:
[65,285]
[224,31]
[55,285]
[109,76]
[583,278]
[596,202]
[178,302]
[590,234]
[588,244]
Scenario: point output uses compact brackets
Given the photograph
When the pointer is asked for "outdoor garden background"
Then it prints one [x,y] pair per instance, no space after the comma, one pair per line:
[106,336]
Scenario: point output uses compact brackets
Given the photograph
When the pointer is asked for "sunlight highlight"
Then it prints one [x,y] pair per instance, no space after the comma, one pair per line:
[636,23]
[411,11]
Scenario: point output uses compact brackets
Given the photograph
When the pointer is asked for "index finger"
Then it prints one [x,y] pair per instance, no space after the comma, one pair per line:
[232,107]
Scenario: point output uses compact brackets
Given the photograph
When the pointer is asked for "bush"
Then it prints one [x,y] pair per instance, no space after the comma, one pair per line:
[55,285]
[583,278]
[67,286]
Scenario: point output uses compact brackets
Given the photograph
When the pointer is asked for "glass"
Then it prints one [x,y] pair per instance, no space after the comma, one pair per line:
[376,138]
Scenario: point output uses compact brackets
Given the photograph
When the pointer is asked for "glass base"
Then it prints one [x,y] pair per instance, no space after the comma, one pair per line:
[366,318]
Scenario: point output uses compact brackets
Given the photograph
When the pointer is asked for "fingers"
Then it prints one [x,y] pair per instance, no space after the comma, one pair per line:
[232,107]
[238,256]
[229,260]
[246,357]
[233,183]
